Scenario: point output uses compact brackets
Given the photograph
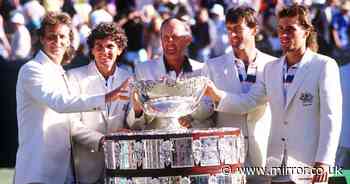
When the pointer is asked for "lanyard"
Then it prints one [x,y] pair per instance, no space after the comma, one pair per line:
[247,78]
[288,76]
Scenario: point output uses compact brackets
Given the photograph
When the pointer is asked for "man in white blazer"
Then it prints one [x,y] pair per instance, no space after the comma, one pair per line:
[235,72]
[43,97]
[175,37]
[303,90]
[106,42]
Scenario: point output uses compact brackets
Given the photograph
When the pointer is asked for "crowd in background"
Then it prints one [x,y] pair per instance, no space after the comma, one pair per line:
[141,20]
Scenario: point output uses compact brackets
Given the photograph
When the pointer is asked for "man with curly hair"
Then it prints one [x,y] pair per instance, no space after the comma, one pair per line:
[43,97]
[106,42]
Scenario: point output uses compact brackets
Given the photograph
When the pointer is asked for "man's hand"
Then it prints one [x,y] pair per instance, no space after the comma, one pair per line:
[185,121]
[213,92]
[120,93]
[136,104]
[322,173]
[101,143]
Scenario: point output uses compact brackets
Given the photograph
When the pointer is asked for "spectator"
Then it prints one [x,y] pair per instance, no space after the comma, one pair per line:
[154,49]
[134,27]
[323,18]
[340,33]
[99,14]
[21,41]
[221,44]
[204,34]
[5,47]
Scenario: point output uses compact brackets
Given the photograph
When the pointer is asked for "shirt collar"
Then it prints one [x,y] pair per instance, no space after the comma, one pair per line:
[241,62]
[94,69]
[186,66]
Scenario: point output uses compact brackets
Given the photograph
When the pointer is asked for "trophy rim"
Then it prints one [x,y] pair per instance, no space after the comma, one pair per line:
[140,85]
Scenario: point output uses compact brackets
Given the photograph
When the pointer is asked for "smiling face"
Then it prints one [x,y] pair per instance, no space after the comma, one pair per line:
[292,35]
[105,52]
[175,38]
[240,35]
[56,41]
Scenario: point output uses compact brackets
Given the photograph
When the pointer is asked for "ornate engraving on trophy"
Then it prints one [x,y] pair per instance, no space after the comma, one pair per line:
[199,179]
[210,153]
[126,159]
[110,159]
[227,147]
[152,154]
[182,156]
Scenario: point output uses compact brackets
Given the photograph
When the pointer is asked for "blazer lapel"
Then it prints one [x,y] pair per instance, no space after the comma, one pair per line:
[232,74]
[120,75]
[279,82]
[97,80]
[299,77]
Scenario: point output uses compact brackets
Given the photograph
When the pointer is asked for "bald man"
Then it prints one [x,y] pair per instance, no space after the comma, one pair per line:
[175,37]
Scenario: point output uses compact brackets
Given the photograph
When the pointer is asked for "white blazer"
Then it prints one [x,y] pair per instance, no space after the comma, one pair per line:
[309,120]
[43,136]
[90,127]
[256,124]
[155,70]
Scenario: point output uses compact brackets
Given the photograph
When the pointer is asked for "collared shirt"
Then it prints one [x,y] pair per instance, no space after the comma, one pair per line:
[109,81]
[246,74]
[288,76]
[185,68]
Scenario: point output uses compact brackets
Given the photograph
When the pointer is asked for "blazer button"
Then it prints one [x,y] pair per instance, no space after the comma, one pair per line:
[285,122]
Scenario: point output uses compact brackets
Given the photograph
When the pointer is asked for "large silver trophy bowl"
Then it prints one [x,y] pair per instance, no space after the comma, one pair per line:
[168,99]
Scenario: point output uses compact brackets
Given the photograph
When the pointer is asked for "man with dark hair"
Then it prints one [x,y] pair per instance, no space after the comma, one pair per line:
[43,98]
[106,42]
[303,90]
[175,37]
[242,67]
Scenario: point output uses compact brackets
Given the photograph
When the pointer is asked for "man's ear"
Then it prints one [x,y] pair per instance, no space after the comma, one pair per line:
[307,33]
[255,31]
[189,39]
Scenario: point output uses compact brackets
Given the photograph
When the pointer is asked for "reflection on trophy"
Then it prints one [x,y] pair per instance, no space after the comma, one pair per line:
[169,154]
[170,99]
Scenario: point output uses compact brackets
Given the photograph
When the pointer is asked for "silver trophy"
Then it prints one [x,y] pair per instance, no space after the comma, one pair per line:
[168,99]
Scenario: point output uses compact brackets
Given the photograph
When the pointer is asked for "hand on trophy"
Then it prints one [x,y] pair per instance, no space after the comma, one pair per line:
[213,92]
[136,104]
[185,121]
[120,93]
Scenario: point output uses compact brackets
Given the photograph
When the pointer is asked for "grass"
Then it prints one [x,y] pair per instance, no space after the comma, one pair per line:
[6,175]
[346,174]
